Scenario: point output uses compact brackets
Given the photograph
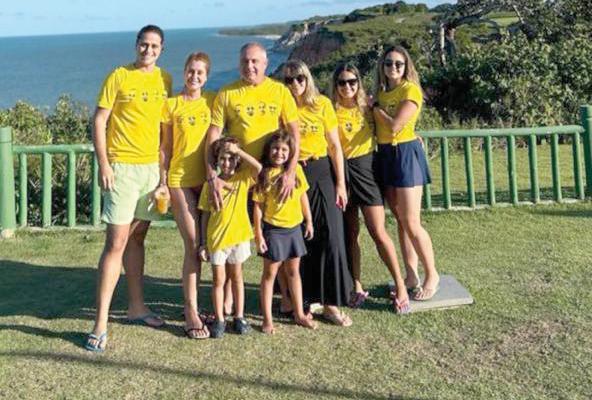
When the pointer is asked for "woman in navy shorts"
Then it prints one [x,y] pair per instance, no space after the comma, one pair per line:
[402,166]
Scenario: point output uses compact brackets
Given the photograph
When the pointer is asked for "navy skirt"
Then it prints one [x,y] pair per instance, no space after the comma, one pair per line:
[283,243]
[402,165]
[363,189]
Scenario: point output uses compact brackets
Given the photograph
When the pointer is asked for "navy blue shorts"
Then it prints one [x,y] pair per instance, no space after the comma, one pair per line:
[402,165]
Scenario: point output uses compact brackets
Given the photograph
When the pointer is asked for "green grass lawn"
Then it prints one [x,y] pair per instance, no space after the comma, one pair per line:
[526,337]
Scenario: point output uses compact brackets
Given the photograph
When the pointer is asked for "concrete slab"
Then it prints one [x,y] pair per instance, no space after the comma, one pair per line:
[451,295]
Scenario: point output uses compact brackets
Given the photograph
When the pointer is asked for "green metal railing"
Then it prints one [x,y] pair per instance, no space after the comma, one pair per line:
[578,133]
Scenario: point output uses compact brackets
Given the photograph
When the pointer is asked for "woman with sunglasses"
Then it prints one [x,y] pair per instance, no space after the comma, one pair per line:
[356,133]
[403,168]
[325,275]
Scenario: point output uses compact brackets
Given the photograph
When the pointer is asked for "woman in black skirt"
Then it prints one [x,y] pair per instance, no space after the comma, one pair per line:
[403,168]
[325,275]
[356,133]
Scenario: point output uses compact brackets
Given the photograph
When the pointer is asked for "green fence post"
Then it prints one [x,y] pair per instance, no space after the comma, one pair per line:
[535,195]
[489,171]
[427,191]
[7,201]
[71,189]
[555,168]
[511,144]
[577,162]
[469,173]
[96,192]
[23,190]
[586,116]
[445,173]
[46,189]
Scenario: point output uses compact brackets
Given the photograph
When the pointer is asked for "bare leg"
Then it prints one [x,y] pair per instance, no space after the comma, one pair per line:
[235,272]
[407,202]
[410,259]
[133,262]
[286,302]
[184,204]
[270,270]
[228,300]
[352,234]
[374,218]
[218,279]
[292,269]
[108,274]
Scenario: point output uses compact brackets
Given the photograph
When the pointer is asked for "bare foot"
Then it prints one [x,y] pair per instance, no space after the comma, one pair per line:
[268,329]
[412,279]
[429,288]
[306,322]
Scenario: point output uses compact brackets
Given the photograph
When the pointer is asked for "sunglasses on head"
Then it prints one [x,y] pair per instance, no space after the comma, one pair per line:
[396,64]
[290,79]
[350,82]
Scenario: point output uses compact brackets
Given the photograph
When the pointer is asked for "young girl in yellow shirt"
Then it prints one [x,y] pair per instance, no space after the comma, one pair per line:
[226,233]
[278,232]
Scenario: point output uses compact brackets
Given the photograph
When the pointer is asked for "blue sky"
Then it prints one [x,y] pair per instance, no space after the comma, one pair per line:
[46,17]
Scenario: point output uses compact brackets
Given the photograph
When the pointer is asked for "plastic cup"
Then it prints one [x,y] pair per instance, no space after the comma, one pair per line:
[162,202]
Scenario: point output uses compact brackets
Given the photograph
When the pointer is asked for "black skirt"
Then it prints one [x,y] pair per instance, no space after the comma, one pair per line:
[325,275]
[363,189]
[283,243]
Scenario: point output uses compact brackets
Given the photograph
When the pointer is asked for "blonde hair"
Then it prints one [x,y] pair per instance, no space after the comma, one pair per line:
[198,56]
[410,73]
[360,93]
[297,67]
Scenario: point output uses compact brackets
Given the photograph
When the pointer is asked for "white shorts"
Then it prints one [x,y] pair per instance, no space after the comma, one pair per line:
[236,254]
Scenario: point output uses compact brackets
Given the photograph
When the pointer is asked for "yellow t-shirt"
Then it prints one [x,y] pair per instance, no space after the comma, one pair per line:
[356,131]
[135,99]
[190,121]
[389,101]
[250,113]
[229,226]
[289,213]
[315,121]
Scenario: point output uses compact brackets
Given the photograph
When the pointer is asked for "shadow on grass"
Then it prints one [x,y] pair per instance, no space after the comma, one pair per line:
[51,292]
[223,378]
[562,213]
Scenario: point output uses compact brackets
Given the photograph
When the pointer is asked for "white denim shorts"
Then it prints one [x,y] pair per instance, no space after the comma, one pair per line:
[236,254]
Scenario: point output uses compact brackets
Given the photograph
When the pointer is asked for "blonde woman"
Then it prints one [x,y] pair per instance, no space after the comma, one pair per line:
[325,275]
[186,118]
[403,169]
[356,133]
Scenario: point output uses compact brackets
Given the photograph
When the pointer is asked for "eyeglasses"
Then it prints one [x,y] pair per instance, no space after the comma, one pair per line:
[288,80]
[396,64]
[350,82]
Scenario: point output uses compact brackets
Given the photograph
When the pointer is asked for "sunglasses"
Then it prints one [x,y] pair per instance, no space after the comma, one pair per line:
[288,80]
[350,82]
[396,64]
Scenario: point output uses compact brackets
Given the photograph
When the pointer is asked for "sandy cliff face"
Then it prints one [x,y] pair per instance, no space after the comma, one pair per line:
[299,32]
[315,47]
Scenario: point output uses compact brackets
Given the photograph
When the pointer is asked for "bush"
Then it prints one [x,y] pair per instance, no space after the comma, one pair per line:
[67,123]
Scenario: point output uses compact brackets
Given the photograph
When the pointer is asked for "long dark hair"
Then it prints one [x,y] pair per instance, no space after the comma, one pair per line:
[264,180]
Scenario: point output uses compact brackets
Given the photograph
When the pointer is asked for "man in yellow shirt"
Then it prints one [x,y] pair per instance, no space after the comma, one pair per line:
[126,135]
[251,109]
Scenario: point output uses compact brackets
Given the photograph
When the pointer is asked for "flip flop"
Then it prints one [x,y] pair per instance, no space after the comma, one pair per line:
[197,333]
[358,299]
[340,320]
[400,307]
[99,346]
[143,320]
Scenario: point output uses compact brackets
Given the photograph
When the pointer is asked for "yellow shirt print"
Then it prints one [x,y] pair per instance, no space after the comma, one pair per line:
[135,99]
[315,121]
[250,113]
[390,101]
[190,120]
[356,131]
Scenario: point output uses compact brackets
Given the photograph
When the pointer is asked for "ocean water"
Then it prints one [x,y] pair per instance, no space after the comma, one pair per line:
[39,69]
